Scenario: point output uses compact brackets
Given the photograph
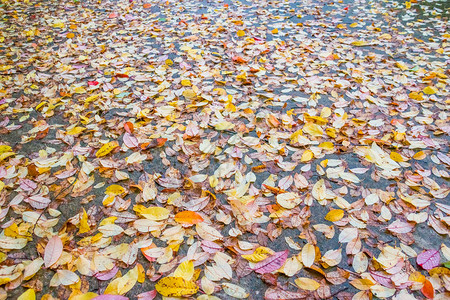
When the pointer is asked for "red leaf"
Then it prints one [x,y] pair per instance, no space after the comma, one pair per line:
[271,263]
[93,82]
[128,126]
[427,289]
[429,259]
[53,251]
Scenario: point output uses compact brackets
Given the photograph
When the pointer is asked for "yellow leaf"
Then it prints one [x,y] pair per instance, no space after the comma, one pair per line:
[359,43]
[84,226]
[385,36]
[185,82]
[313,129]
[230,107]
[86,296]
[259,254]
[154,213]
[275,31]
[401,66]
[416,96]
[327,145]
[108,201]
[213,181]
[2,185]
[225,125]
[28,295]
[430,90]
[114,190]
[420,155]
[176,287]
[91,98]
[79,90]
[76,130]
[122,285]
[308,255]
[396,157]
[307,284]
[106,148]
[353,25]
[331,132]
[307,156]
[242,76]
[334,215]
[341,26]
[240,33]
[5,148]
[107,221]
[185,270]
[416,276]
[362,284]
[141,273]
[6,155]
[189,94]
[70,35]
[407,4]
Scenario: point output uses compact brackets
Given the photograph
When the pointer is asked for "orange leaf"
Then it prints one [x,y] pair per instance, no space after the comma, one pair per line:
[238,59]
[147,5]
[188,217]
[273,121]
[427,289]
[129,127]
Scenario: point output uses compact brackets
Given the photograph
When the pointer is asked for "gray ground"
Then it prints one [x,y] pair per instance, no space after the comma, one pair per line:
[424,236]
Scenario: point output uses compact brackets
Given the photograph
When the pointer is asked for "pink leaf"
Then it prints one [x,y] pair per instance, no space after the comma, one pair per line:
[107,275]
[66,174]
[429,259]
[110,297]
[271,263]
[382,278]
[38,202]
[210,247]
[400,227]
[150,295]
[130,141]
[27,185]
[53,251]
